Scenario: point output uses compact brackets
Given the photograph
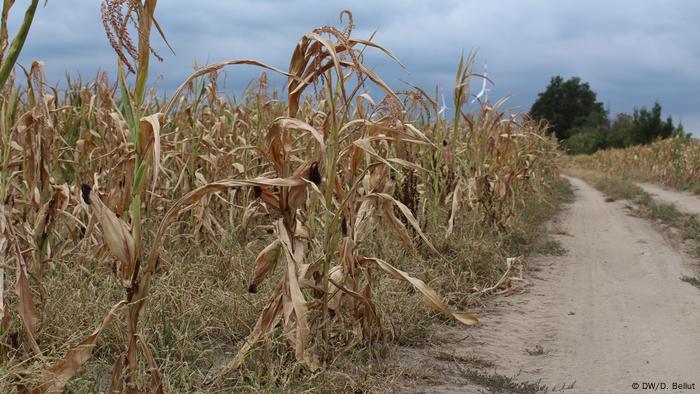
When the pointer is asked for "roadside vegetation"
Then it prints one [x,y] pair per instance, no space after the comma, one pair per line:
[278,241]
[672,162]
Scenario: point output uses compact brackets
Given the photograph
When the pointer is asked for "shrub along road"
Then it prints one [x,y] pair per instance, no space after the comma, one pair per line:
[609,313]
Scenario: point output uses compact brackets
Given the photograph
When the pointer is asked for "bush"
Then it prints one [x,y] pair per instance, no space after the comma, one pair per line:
[585,141]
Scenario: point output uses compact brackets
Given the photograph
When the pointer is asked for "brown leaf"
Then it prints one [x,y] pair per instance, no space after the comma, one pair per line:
[60,373]
[337,279]
[116,382]
[213,67]
[264,264]
[431,298]
[292,275]
[456,200]
[396,226]
[116,235]
[269,318]
[408,215]
[287,123]
[156,384]
[26,306]
[268,197]
[150,135]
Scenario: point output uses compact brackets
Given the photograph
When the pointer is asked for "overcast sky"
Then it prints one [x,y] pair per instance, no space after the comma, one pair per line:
[631,52]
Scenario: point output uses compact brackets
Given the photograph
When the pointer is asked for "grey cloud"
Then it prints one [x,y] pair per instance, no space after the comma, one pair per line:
[631,52]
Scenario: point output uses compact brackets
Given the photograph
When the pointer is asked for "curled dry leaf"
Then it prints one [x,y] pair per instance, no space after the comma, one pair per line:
[211,68]
[116,235]
[431,298]
[47,214]
[264,264]
[149,135]
[408,215]
[511,264]
[295,269]
[395,224]
[269,198]
[199,193]
[284,123]
[456,199]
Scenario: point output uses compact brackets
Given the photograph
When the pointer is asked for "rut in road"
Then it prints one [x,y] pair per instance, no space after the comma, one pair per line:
[610,312]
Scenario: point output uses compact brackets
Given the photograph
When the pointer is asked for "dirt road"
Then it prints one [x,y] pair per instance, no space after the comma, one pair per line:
[609,313]
[684,201]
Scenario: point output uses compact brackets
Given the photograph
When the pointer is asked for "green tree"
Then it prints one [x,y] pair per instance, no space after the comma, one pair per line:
[648,126]
[642,127]
[619,133]
[679,132]
[569,106]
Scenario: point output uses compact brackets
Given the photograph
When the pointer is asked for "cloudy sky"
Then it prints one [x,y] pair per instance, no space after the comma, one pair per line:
[631,52]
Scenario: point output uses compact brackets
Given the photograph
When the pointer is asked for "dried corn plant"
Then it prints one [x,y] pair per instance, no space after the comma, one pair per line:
[324,55]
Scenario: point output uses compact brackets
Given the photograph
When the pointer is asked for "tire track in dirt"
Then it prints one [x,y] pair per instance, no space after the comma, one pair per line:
[610,312]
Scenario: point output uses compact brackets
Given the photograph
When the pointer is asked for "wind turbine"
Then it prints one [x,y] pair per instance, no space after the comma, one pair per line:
[484,90]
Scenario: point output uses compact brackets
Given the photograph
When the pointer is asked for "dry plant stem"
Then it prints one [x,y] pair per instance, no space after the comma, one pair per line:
[330,166]
[7,108]
[131,113]
[146,12]
[134,304]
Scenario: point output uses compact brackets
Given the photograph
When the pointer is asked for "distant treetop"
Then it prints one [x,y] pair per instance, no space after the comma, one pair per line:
[581,123]
[568,104]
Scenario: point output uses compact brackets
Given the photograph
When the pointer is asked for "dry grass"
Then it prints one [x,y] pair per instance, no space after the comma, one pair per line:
[207,244]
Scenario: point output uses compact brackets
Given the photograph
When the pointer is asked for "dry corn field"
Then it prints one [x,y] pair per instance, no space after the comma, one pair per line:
[672,162]
[206,242]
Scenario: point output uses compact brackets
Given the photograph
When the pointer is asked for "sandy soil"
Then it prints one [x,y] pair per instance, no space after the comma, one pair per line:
[610,312]
[684,201]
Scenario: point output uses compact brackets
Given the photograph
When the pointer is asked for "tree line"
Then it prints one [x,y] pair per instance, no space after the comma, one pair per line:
[582,124]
